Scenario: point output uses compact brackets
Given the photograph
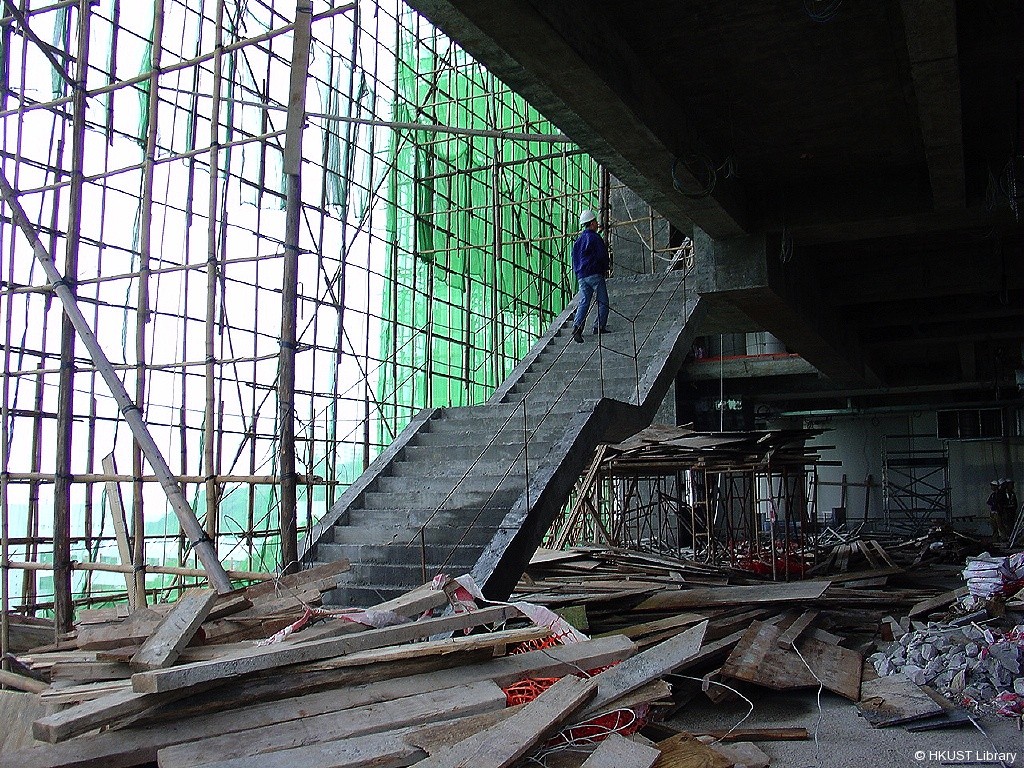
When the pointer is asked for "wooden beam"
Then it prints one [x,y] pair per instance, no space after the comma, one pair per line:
[283,654]
[503,745]
[649,665]
[175,631]
[788,638]
[92,714]
[21,682]
[117,517]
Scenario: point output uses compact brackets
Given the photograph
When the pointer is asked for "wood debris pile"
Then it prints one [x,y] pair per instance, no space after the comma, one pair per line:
[414,681]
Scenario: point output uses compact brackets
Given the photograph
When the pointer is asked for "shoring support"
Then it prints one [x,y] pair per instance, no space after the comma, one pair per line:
[289,290]
[204,548]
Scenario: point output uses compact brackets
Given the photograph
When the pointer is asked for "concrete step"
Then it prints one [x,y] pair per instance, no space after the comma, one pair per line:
[401,555]
[402,485]
[569,393]
[352,596]
[366,532]
[452,467]
[463,499]
[418,454]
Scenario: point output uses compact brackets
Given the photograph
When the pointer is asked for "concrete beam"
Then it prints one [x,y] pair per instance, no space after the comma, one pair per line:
[596,90]
[784,298]
[931,44]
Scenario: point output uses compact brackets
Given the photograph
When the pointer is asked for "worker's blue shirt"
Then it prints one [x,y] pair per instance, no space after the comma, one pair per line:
[589,255]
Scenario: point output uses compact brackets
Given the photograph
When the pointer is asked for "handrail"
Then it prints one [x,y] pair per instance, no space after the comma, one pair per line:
[419,534]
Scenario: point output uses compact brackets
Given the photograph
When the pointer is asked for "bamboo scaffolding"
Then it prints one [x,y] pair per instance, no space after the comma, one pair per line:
[226,445]
[205,551]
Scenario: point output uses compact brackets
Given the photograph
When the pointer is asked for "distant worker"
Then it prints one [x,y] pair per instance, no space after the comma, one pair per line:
[591,264]
[996,503]
[1008,510]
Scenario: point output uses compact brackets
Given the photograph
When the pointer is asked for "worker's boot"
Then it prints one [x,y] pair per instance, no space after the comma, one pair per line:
[577,334]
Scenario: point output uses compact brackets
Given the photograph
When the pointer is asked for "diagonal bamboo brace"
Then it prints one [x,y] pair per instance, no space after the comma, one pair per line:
[202,543]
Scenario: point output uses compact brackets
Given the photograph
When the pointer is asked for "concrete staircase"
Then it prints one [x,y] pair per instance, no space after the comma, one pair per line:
[474,489]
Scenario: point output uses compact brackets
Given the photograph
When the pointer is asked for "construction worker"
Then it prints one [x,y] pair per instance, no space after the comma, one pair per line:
[995,502]
[591,264]
[1008,505]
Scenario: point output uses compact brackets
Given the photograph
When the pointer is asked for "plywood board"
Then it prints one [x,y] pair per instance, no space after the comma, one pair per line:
[758,659]
[895,699]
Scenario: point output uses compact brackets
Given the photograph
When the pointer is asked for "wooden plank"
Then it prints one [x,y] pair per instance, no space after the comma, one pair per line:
[92,714]
[355,669]
[757,658]
[788,638]
[935,603]
[17,711]
[895,699]
[502,745]
[73,694]
[706,597]
[619,752]
[377,750]
[175,631]
[646,666]
[22,682]
[676,622]
[434,706]
[869,555]
[393,749]
[117,517]
[90,671]
[283,654]
[759,734]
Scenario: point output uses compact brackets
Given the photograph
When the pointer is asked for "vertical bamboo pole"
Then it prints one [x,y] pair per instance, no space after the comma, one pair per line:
[209,413]
[289,294]
[142,315]
[63,607]
[5,436]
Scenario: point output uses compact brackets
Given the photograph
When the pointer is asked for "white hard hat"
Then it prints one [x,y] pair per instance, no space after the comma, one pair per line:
[586,217]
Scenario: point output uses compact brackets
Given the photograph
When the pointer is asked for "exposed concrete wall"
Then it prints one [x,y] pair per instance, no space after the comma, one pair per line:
[859,441]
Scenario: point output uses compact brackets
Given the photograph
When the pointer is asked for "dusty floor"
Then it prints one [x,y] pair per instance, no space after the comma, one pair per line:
[845,739]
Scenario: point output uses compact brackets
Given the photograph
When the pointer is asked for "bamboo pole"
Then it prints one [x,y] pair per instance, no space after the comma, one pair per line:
[209,419]
[172,570]
[142,316]
[204,548]
[63,608]
[289,290]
